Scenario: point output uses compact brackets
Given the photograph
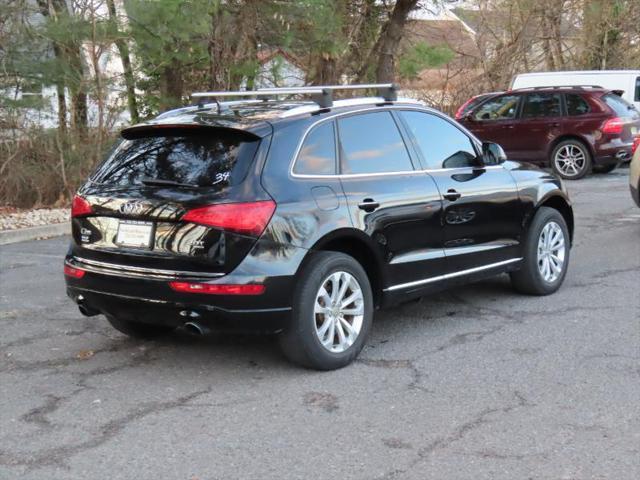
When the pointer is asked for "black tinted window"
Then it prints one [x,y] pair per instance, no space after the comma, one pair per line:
[443,145]
[620,106]
[371,143]
[318,153]
[541,105]
[636,97]
[576,105]
[214,158]
[500,108]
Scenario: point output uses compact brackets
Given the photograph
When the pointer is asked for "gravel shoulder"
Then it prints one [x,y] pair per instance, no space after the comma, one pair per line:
[12,219]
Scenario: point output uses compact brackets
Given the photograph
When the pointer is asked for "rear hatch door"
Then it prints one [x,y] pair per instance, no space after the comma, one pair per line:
[169,199]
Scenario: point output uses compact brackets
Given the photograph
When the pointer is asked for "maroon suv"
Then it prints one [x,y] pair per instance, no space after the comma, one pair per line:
[572,129]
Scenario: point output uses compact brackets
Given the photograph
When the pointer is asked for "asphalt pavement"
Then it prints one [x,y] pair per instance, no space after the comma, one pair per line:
[475,383]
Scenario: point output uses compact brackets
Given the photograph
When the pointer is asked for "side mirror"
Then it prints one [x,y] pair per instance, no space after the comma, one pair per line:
[493,154]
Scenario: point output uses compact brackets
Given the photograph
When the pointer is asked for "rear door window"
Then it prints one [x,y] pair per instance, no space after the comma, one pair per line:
[200,158]
[504,107]
[576,105]
[318,153]
[636,97]
[539,105]
[620,106]
[371,143]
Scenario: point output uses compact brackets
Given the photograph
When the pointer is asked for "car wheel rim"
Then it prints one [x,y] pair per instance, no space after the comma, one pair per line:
[570,160]
[551,252]
[338,312]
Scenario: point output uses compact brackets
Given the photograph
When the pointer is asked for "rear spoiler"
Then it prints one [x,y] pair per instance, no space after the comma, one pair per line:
[179,129]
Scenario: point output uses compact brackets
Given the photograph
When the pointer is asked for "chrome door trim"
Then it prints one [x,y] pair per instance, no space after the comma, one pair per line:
[451,275]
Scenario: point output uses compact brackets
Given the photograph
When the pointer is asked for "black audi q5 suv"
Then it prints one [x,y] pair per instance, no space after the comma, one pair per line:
[302,217]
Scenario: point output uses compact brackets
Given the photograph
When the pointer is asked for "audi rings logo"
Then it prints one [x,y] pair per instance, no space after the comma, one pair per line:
[132,208]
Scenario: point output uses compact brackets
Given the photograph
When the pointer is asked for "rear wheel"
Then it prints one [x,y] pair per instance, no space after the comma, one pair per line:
[571,159]
[546,254]
[332,313]
[605,168]
[138,329]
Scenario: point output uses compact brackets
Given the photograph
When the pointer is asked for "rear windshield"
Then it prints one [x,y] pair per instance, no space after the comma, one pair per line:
[620,106]
[199,159]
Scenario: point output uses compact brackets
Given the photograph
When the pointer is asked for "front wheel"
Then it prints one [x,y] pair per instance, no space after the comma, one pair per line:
[571,159]
[546,254]
[332,313]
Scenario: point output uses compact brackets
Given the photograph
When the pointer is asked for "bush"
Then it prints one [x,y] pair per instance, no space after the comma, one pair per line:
[44,167]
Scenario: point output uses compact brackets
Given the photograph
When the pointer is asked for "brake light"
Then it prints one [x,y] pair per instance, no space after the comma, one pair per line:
[636,144]
[80,207]
[250,218]
[73,272]
[211,289]
[613,126]
[460,111]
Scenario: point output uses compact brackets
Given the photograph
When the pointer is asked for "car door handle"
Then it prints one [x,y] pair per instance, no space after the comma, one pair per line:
[508,126]
[452,195]
[555,124]
[368,205]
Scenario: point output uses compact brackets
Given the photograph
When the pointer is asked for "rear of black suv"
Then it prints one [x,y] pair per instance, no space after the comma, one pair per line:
[170,229]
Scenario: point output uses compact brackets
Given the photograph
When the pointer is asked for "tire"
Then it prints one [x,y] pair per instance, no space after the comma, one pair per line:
[532,278]
[301,341]
[138,329]
[605,168]
[571,159]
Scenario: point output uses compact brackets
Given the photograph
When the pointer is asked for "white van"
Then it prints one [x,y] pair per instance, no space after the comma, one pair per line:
[626,80]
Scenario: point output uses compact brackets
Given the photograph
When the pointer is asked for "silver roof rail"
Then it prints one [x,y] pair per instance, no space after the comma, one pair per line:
[388,91]
[320,94]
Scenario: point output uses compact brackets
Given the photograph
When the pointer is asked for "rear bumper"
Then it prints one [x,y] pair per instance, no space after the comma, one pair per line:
[612,152]
[150,299]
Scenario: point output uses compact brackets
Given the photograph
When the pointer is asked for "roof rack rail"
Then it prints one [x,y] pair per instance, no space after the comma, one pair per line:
[320,94]
[558,86]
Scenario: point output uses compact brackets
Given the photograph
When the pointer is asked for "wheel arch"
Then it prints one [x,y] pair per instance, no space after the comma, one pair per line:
[359,246]
[561,204]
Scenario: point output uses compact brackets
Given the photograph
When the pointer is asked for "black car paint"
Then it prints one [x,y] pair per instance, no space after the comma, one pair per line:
[414,234]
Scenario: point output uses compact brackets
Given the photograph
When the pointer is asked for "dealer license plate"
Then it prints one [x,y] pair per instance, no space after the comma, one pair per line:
[134,234]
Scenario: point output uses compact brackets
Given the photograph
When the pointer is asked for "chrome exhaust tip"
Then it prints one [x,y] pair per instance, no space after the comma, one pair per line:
[85,309]
[195,328]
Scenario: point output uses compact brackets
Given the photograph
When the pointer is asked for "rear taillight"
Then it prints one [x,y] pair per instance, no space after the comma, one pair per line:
[73,272]
[613,126]
[207,288]
[249,218]
[80,207]
[462,108]
[636,144]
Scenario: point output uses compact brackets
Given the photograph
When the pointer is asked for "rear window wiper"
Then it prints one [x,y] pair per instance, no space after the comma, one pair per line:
[167,183]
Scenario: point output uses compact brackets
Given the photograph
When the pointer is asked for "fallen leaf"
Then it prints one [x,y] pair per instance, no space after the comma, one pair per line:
[84,354]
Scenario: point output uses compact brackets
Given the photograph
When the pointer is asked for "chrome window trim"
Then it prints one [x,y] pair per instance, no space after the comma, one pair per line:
[389,108]
[115,269]
[446,276]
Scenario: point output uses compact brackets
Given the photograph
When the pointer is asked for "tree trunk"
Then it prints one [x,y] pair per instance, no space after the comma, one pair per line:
[386,46]
[123,49]
[171,86]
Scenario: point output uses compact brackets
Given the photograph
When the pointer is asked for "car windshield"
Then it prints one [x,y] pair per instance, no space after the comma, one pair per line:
[620,106]
[184,159]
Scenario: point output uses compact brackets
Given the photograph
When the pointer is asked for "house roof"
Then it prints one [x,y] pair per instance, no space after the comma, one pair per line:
[265,55]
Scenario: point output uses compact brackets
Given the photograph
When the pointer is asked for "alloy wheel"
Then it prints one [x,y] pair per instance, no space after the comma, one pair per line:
[551,252]
[570,160]
[339,311]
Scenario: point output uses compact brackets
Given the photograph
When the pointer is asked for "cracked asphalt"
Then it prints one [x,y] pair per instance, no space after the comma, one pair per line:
[475,383]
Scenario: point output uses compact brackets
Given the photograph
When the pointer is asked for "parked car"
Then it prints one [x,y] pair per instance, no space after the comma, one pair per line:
[634,173]
[302,219]
[571,129]
[627,82]
[473,102]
